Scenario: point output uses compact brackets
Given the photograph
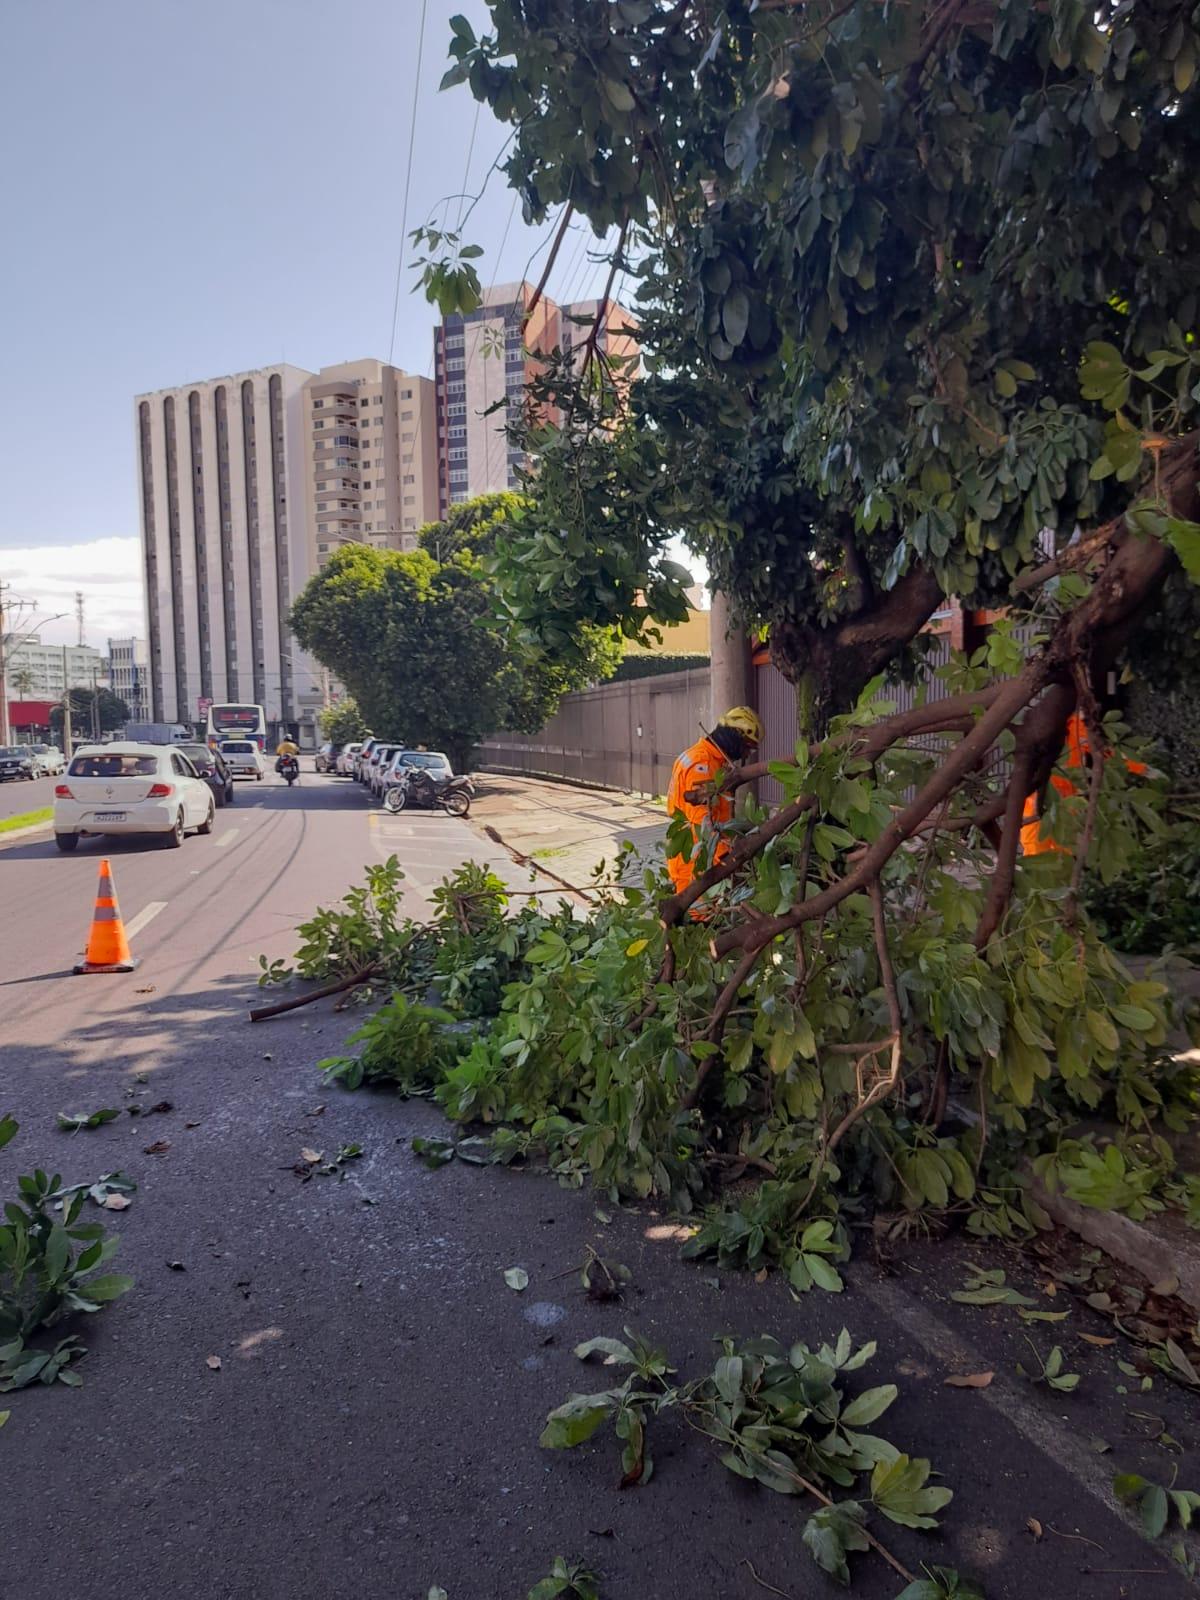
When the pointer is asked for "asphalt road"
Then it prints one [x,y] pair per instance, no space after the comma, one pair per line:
[18,795]
[372,1427]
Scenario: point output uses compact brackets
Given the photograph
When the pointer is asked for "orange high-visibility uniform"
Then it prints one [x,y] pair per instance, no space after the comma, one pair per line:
[1033,841]
[703,763]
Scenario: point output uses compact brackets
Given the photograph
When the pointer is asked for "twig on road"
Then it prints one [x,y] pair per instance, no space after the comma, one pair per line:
[261,1013]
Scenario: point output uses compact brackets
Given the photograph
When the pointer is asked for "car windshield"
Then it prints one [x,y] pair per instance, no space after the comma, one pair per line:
[238,747]
[38,749]
[198,754]
[114,766]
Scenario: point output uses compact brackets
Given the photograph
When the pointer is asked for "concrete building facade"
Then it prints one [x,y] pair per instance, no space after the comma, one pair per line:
[37,671]
[246,484]
[128,672]
[371,466]
[483,360]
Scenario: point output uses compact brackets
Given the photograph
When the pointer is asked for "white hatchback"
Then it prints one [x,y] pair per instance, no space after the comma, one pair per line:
[243,758]
[130,788]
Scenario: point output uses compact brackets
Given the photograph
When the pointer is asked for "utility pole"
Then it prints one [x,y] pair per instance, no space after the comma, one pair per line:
[79,612]
[67,747]
[4,728]
[95,707]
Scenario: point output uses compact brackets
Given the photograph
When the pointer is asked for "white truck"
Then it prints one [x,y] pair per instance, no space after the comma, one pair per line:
[157,733]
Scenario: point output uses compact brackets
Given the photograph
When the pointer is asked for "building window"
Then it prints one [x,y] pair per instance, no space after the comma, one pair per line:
[406,416]
[455,363]
[322,505]
[369,527]
[378,399]
[318,423]
[406,394]
[410,500]
[407,438]
[322,547]
[459,453]
[322,527]
[459,431]
[366,483]
[317,404]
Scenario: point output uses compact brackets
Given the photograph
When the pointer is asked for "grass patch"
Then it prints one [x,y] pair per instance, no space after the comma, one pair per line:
[549,852]
[26,819]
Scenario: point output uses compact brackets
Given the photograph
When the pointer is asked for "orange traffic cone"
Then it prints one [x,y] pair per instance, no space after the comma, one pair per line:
[108,948]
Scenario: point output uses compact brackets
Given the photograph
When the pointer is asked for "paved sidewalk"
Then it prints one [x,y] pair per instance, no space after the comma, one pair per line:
[565,829]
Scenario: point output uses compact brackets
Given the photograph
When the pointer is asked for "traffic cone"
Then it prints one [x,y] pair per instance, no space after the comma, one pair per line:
[108,948]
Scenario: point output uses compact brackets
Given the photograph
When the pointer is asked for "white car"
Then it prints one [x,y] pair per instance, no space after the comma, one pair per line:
[344,765]
[48,760]
[131,788]
[243,758]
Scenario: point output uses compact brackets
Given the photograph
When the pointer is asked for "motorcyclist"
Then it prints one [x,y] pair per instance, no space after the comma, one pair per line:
[284,749]
[695,780]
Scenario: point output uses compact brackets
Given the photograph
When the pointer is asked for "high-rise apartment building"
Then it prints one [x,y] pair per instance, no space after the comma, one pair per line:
[371,464]
[128,670]
[246,484]
[482,362]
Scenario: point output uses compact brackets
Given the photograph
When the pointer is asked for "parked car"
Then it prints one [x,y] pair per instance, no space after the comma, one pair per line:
[363,757]
[15,762]
[344,765]
[128,788]
[327,757]
[243,758]
[381,760]
[213,768]
[426,778]
[48,760]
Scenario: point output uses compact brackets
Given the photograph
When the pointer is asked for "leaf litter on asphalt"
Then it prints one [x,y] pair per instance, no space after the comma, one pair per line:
[516,1278]
[75,1121]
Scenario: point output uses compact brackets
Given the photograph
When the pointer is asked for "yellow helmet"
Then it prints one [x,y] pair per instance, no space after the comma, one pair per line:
[745,721]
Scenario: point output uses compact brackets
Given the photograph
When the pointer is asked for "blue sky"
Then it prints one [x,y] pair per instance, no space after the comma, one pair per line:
[193,189]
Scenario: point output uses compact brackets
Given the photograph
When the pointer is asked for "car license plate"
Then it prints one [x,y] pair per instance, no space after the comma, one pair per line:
[108,816]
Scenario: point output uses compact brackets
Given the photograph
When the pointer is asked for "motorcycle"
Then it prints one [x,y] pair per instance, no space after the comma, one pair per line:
[289,768]
[417,788]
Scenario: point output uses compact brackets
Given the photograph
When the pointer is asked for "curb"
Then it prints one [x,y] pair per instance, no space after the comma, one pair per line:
[1149,1251]
[16,835]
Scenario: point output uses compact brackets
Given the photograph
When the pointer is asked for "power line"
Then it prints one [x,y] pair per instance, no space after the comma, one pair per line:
[412,137]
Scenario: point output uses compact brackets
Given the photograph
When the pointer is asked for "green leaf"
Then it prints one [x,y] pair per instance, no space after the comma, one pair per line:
[1100,1026]
[1154,1509]
[833,1531]
[728,1378]
[900,1491]
[735,315]
[8,1127]
[823,1275]
[516,1278]
[106,1286]
[575,1420]
[869,1405]
[621,1353]
[636,948]
[58,1253]
[617,94]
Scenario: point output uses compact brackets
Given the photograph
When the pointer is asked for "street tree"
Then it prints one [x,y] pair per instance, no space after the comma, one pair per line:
[98,710]
[425,650]
[918,287]
[344,722]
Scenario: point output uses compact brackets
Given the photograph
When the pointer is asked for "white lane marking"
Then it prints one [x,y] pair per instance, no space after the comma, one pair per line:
[145,915]
[226,838]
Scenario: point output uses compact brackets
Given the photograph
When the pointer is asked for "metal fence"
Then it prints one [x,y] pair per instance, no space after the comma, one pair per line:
[625,735]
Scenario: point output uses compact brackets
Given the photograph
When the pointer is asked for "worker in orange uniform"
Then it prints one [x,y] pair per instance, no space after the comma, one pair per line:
[1033,841]
[696,775]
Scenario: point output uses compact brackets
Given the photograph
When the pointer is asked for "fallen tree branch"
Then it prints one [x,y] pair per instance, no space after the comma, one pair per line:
[261,1013]
[586,895]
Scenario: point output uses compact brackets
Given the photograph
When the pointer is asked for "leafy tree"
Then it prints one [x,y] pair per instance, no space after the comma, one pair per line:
[918,287]
[342,723]
[111,710]
[472,526]
[423,647]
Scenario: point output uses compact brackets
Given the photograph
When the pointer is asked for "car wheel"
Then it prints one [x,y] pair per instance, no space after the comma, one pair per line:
[207,825]
[174,836]
[258,777]
[66,841]
[229,794]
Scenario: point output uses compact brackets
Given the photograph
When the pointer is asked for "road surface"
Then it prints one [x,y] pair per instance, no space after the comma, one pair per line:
[372,1427]
[18,796]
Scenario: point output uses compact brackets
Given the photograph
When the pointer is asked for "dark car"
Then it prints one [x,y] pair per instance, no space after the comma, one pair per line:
[211,766]
[327,757]
[15,763]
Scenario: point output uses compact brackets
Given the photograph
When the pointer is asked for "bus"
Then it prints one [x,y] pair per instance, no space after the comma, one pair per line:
[236,722]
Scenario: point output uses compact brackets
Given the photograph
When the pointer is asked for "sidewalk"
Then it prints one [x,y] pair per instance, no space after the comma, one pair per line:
[568,830]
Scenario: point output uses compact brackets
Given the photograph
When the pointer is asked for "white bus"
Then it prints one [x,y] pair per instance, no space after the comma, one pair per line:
[236,722]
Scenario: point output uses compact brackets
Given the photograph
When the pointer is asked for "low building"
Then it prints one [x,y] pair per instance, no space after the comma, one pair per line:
[37,671]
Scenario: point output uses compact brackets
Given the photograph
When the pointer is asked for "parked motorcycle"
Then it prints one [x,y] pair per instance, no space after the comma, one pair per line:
[289,768]
[415,787]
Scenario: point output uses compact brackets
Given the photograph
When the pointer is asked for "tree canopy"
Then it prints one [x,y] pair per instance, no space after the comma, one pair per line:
[918,285]
[422,646]
[344,722]
[110,709]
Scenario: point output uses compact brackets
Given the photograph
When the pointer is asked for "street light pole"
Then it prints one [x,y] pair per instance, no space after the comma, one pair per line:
[67,744]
